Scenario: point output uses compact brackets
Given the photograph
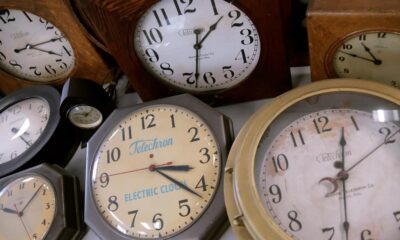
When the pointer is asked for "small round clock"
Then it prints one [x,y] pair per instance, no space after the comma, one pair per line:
[40,203]
[38,51]
[32,131]
[320,162]
[154,171]
[197,46]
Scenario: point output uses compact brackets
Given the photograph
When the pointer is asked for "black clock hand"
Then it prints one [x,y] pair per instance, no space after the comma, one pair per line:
[177,183]
[8,210]
[197,47]
[346,224]
[179,168]
[22,221]
[356,56]
[30,200]
[211,29]
[47,51]
[376,61]
[29,46]
[15,130]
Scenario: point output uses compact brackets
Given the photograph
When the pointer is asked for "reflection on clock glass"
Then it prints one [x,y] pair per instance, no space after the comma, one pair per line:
[32,48]
[21,124]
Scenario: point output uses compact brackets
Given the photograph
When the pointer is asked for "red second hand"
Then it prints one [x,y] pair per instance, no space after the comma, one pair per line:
[20,218]
[140,169]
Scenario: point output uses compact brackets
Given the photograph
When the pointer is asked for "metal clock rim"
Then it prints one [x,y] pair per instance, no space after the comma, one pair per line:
[245,211]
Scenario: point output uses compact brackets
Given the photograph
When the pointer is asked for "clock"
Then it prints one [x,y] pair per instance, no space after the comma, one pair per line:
[154,171]
[36,47]
[32,131]
[40,203]
[156,40]
[355,39]
[319,162]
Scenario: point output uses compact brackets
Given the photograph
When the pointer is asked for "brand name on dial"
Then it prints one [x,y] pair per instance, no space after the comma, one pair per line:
[142,146]
[19,35]
[188,32]
[331,156]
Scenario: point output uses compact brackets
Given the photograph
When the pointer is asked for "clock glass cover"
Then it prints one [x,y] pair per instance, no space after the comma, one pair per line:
[32,48]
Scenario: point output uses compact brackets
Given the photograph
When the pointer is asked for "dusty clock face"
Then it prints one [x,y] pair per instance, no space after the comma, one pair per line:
[27,208]
[304,168]
[156,172]
[21,124]
[32,48]
[85,116]
[197,46]
[372,55]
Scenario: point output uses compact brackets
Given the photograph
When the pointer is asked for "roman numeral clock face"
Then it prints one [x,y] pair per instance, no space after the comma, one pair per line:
[156,172]
[197,46]
[32,48]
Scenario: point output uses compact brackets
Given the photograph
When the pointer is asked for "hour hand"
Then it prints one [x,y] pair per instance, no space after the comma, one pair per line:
[8,210]
[183,186]
[179,168]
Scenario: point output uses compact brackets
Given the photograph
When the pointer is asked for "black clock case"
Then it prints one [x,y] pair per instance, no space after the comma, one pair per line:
[68,219]
[213,222]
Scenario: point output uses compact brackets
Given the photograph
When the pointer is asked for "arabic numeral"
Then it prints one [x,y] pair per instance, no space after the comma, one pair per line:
[2,56]
[209,78]
[35,70]
[247,33]
[112,204]
[158,19]
[62,64]
[228,72]
[281,163]
[190,79]
[166,69]
[149,119]
[386,131]
[113,155]
[321,124]
[186,9]
[235,14]
[152,55]
[104,180]
[241,56]
[153,35]
[294,224]
[49,69]
[15,64]
[331,229]
[158,223]
[366,234]
[5,16]
[274,190]
[47,25]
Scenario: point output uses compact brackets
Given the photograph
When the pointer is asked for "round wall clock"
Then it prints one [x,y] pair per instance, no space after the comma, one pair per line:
[185,45]
[40,203]
[32,131]
[154,171]
[42,42]
[320,162]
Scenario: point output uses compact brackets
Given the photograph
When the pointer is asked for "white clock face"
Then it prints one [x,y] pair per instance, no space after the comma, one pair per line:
[21,124]
[373,56]
[156,172]
[32,48]
[85,116]
[197,46]
[308,166]
[27,208]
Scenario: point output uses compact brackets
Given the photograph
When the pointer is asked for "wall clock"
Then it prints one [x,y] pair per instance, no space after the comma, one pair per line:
[32,131]
[291,163]
[354,39]
[154,171]
[40,203]
[156,40]
[41,42]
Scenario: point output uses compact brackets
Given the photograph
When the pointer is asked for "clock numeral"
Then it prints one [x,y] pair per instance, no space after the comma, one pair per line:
[346,70]
[134,213]
[294,224]
[184,207]
[214,7]
[158,223]
[330,229]
[149,119]
[2,56]
[190,79]
[187,9]
[228,72]
[347,46]
[300,137]
[281,163]
[113,155]
[342,59]
[366,234]
[274,190]
[35,70]
[47,206]
[5,16]
[381,35]
[166,69]
[152,55]
[397,216]
[49,69]
[21,186]
[235,14]
[61,64]
[205,152]
[44,192]
[202,184]
[15,64]
[353,120]
[164,14]
[112,203]
[27,16]
[104,180]
[47,25]
[209,78]
[388,138]
[153,35]
[241,56]
[362,37]
[195,131]
[172,116]
[126,134]
[249,38]
[321,121]
[43,223]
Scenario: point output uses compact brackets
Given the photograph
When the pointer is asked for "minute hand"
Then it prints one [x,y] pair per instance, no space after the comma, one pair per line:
[211,29]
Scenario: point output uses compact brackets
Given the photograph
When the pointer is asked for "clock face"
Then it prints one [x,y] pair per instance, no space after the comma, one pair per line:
[304,170]
[85,116]
[27,208]
[373,55]
[21,124]
[156,172]
[197,46]
[32,48]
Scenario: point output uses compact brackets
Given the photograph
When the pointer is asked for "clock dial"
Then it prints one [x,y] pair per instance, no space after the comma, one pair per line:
[27,208]
[21,124]
[156,172]
[371,55]
[85,116]
[32,48]
[197,46]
